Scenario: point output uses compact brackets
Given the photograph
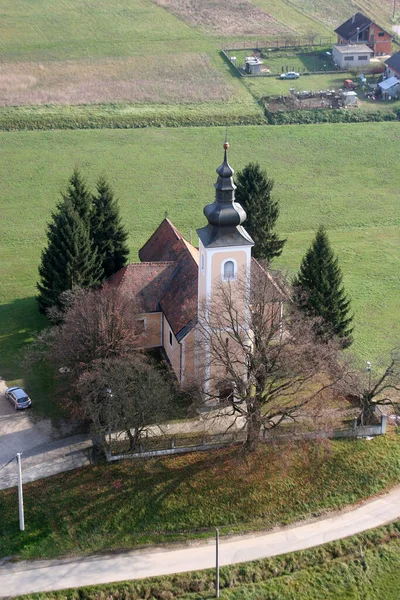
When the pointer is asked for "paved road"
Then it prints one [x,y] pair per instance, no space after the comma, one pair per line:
[44,453]
[28,577]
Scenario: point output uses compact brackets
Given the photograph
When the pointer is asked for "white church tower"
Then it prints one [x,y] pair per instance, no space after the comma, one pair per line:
[224,245]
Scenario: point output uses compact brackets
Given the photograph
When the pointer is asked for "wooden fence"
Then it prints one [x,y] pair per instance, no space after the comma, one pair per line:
[284,43]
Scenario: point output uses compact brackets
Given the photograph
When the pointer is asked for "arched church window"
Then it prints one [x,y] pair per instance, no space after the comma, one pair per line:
[229,270]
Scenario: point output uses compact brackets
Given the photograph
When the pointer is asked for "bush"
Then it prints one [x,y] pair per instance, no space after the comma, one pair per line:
[306,117]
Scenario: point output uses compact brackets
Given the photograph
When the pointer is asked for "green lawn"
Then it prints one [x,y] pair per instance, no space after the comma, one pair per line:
[341,175]
[282,61]
[363,566]
[181,497]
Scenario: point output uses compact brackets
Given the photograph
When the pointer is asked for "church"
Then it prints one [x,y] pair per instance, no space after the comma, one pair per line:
[175,280]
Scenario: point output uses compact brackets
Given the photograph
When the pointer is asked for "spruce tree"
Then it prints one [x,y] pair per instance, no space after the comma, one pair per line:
[69,259]
[319,291]
[79,196]
[108,234]
[254,194]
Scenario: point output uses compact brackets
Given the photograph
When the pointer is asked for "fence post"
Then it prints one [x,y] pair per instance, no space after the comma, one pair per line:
[383,424]
[172,443]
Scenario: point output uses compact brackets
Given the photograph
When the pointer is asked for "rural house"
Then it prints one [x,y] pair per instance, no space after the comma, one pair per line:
[393,66]
[174,279]
[360,29]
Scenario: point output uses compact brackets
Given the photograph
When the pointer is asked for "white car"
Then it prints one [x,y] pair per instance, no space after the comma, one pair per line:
[290,75]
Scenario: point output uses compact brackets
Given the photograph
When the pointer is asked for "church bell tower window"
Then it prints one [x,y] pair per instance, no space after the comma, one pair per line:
[228,270]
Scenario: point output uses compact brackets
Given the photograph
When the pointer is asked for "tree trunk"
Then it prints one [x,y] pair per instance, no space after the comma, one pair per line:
[253,426]
[367,409]
[133,439]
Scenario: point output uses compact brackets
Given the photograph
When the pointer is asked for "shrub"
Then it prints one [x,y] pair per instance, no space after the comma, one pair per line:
[306,117]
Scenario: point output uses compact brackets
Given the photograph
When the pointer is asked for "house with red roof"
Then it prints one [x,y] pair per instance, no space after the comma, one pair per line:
[360,29]
[174,280]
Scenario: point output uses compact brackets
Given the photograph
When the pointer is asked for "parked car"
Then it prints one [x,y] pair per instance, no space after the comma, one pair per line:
[290,75]
[18,397]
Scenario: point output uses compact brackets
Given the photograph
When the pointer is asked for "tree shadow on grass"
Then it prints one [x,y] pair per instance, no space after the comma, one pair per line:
[19,320]
[114,507]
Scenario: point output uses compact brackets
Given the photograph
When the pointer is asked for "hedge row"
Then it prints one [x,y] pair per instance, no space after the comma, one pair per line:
[17,121]
[304,117]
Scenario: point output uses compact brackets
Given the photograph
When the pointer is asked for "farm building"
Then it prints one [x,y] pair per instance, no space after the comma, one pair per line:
[393,66]
[252,65]
[352,55]
[360,29]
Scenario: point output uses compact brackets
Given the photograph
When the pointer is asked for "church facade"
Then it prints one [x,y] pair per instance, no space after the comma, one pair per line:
[174,282]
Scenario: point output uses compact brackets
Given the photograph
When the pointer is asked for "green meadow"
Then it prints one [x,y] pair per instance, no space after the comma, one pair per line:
[345,176]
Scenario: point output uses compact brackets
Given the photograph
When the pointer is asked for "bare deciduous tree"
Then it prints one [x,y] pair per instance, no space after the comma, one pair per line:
[98,324]
[266,368]
[125,394]
[93,325]
[376,390]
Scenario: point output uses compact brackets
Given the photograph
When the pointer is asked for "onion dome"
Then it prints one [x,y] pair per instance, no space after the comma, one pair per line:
[224,215]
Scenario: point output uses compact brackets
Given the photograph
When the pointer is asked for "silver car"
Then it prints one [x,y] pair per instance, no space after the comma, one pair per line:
[18,397]
[290,75]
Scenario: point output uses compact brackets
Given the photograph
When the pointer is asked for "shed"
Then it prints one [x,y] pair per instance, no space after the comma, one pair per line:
[351,55]
[252,65]
[349,98]
[390,87]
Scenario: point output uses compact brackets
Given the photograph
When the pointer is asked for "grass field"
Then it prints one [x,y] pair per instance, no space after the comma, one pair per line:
[360,567]
[318,179]
[181,497]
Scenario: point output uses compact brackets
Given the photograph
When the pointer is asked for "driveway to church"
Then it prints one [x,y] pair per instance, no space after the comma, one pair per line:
[44,452]
[37,576]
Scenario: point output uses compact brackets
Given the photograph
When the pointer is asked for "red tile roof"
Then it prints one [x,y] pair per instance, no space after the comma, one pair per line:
[145,282]
[179,300]
[167,279]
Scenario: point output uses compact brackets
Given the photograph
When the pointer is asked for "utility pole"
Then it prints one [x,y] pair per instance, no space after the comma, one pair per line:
[216,564]
[20,496]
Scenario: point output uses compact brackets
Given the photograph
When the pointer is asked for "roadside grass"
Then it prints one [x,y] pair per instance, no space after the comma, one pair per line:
[182,497]
[359,567]
[341,175]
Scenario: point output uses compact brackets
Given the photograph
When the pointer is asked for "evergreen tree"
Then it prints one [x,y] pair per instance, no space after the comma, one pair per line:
[319,291]
[108,234]
[69,259]
[254,194]
[79,196]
